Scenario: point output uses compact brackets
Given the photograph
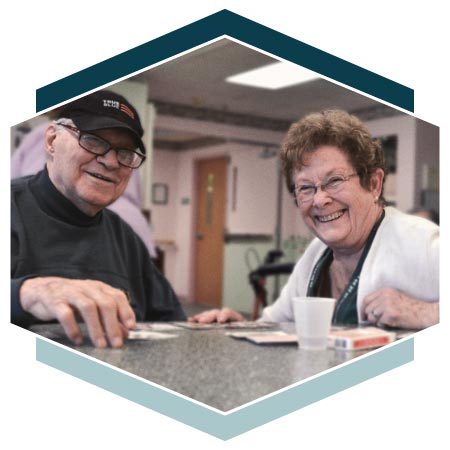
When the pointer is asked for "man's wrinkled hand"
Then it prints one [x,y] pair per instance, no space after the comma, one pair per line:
[105,310]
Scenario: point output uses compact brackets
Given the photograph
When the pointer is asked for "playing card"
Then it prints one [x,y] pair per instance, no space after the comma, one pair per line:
[149,335]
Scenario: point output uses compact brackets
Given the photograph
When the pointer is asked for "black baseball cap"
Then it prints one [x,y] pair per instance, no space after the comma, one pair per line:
[104,109]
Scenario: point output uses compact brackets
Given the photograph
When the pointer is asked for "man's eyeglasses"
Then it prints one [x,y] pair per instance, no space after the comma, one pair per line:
[305,192]
[98,146]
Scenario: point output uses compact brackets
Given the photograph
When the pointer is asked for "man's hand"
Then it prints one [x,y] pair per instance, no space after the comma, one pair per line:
[104,309]
[396,309]
[217,315]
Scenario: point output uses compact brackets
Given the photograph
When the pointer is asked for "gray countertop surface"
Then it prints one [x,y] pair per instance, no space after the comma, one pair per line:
[211,367]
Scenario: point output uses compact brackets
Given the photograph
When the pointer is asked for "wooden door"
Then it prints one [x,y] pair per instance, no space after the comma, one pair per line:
[210,227]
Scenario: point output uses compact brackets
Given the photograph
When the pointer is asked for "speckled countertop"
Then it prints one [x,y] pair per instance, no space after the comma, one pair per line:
[211,367]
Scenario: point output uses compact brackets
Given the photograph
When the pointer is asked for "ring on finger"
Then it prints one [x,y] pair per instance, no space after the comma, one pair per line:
[376,315]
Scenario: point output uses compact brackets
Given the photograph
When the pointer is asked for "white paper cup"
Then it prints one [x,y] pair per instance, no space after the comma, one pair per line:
[313,321]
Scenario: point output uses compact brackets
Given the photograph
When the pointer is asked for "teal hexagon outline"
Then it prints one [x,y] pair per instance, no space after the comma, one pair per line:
[224,425]
[224,23]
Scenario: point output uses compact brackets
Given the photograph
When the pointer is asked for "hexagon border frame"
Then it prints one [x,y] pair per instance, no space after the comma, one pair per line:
[225,24]
[225,425]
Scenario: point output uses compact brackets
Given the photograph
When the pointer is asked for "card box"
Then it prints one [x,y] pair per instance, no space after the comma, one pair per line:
[360,338]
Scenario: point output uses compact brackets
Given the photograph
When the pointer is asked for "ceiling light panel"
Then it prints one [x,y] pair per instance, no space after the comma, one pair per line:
[276,75]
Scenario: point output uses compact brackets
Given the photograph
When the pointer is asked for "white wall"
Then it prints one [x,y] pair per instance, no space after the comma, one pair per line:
[256,192]
[164,218]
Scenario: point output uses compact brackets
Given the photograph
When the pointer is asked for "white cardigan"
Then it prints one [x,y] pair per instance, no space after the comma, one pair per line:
[404,255]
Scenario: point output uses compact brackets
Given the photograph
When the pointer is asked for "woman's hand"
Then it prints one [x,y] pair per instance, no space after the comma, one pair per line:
[396,309]
[217,315]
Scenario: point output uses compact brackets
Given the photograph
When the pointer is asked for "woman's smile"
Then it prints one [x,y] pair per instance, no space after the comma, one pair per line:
[329,217]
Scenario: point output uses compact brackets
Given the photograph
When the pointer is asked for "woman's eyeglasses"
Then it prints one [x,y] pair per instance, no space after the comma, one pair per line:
[305,192]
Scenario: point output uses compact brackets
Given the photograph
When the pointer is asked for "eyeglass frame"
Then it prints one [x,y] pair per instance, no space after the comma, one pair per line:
[323,186]
[82,133]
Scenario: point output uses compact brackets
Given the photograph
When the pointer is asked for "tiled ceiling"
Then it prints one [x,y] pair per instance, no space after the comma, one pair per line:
[193,86]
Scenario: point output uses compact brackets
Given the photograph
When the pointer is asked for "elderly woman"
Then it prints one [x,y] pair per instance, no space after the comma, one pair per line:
[380,264]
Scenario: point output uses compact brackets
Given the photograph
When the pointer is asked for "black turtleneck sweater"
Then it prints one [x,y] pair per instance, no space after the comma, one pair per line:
[51,237]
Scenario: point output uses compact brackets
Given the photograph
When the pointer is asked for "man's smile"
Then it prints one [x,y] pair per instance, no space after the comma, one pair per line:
[99,176]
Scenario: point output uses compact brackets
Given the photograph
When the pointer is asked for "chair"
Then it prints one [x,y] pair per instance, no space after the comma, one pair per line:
[258,278]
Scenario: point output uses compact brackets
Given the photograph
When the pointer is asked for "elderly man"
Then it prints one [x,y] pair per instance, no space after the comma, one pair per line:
[70,258]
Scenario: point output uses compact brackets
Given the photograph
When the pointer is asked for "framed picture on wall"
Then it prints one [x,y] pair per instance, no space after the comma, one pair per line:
[160,193]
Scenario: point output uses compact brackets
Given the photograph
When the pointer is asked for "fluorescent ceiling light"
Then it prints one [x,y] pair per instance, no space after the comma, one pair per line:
[273,76]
